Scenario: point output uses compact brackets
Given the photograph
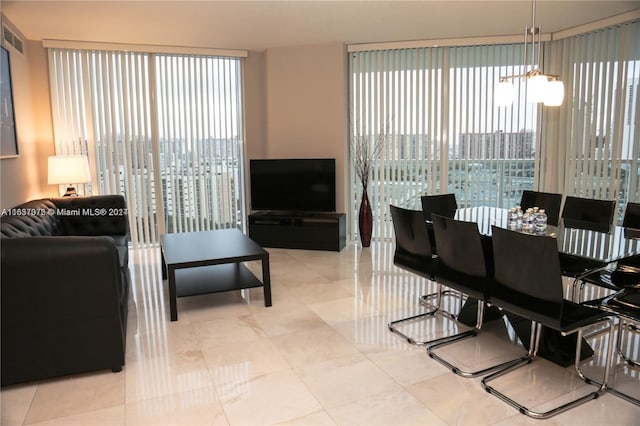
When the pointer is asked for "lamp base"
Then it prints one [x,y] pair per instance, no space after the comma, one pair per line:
[71,192]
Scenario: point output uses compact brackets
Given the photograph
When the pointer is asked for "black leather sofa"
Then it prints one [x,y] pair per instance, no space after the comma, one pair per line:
[65,287]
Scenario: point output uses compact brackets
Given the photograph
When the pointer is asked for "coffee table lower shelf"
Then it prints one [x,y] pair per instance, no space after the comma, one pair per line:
[214,279]
[204,262]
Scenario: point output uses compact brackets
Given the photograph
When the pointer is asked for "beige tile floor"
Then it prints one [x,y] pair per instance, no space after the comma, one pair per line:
[321,355]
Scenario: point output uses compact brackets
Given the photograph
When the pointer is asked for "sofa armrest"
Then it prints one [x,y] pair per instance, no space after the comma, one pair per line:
[93,215]
[61,307]
[59,278]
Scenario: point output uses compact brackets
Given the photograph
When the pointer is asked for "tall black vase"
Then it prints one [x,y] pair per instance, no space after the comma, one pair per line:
[365,220]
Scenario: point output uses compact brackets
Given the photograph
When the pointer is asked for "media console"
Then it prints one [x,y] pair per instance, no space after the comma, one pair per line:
[309,231]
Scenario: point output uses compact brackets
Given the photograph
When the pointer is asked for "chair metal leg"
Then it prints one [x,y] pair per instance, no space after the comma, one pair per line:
[621,328]
[436,310]
[577,287]
[531,356]
[457,370]
[628,361]
[624,396]
[459,336]
[424,301]
[595,333]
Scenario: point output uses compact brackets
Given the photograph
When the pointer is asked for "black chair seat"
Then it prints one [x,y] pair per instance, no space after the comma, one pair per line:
[573,266]
[576,315]
[625,302]
[601,279]
[622,276]
[625,276]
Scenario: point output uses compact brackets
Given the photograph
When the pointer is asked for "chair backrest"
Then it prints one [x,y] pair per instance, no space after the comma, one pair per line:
[441,204]
[411,232]
[578,212]
[548,201]
[632,216]
[459,246]
[528,279]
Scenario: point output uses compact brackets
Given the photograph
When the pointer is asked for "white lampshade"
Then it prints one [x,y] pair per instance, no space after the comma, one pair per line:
[554,94]
[504,93]
[537,88]
[68,170]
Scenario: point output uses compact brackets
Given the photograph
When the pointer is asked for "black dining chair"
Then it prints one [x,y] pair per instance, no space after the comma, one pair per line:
[625,304]
[585,213]
[632,216]
[548,201]
[622,274]
[467,267]
[413,253]
[588,213]
[441,204]
[530,286]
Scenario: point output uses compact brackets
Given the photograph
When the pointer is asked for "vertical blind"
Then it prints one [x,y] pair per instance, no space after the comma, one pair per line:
[491,151]
[445,135]
[597,138]
[396,92]
[164,130]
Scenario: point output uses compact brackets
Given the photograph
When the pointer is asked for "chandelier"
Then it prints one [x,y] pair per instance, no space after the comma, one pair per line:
[540,87]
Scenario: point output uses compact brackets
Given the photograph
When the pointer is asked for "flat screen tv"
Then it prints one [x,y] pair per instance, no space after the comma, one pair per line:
[293,185]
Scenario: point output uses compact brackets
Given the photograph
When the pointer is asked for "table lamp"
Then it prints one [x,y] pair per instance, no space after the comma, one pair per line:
[69,170]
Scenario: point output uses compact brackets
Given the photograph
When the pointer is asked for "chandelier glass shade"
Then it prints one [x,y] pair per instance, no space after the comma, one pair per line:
[540,87]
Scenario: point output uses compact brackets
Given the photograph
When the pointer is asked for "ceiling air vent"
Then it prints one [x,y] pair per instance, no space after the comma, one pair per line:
[12,39]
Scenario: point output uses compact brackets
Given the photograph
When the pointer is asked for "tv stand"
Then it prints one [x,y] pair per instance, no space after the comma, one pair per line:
[297,230]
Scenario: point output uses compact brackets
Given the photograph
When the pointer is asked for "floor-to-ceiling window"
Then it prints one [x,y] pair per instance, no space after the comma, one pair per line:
[596,138]
[444,133]
[164,130]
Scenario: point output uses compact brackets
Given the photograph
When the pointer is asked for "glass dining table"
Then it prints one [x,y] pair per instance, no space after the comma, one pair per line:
[605,244]
[575,240]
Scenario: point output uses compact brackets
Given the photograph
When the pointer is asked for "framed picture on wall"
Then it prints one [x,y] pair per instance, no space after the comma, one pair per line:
[8,136]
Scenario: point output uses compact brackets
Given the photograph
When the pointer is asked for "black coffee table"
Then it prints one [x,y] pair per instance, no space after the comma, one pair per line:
[211,262]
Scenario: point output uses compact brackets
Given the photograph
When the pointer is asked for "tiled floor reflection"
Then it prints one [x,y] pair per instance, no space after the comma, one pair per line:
[321,355]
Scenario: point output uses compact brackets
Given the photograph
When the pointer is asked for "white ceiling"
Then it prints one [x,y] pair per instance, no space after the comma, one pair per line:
[258,25]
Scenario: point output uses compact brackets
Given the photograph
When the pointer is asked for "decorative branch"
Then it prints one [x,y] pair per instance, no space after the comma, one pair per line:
[365,149]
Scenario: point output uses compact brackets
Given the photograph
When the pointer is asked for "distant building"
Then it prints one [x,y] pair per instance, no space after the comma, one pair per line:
[497,145]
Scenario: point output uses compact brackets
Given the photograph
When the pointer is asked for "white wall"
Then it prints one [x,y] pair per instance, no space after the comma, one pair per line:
[306,108]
